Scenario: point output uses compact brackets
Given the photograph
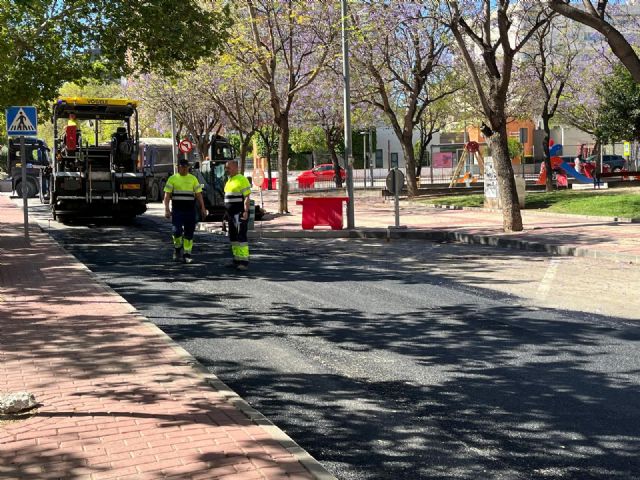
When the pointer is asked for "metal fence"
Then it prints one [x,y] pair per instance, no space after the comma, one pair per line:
[376,178]
[365,180]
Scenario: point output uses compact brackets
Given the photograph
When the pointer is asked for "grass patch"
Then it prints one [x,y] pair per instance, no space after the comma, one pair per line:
[599,203]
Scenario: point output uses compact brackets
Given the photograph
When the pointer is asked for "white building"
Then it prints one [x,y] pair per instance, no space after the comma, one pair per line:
[388,153]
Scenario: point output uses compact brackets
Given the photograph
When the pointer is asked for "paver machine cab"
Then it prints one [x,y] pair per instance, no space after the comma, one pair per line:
[212,175]
[90,178]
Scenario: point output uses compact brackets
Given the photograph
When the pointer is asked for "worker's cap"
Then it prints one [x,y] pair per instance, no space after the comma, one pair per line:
[183,162]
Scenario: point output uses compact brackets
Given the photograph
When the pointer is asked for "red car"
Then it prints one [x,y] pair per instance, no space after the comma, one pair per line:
[321,173]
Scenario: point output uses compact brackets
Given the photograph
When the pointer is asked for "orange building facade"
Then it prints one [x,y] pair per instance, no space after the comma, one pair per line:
[519,129]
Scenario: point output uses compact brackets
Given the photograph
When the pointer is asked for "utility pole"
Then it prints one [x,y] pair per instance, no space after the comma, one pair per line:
[174,154]
[364,155]
[348,156]
[372,153]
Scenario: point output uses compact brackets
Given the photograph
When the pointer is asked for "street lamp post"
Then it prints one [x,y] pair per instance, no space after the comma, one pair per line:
[348,156]
[372,152]
[364,155]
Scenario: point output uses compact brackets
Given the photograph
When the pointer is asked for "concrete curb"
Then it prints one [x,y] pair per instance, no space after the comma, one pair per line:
[305,459]
[535,213]
[448,236]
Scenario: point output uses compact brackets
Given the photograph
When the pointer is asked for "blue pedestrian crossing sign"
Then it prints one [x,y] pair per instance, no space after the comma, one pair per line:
[22,121]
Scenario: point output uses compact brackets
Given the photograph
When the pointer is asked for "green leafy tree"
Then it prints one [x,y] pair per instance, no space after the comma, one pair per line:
[92,89]
[619,110]
[309,139]
[268,141]
[515,148]
[305,141]
[44,43]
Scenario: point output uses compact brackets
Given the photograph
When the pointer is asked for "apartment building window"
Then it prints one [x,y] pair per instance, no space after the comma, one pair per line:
[394,159]
[379,163]
[524,135]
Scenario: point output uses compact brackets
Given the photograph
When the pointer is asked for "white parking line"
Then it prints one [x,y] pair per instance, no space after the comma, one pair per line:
[547,281]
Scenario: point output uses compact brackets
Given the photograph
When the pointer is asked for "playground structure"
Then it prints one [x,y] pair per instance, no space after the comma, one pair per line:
[564,168]
[472,152]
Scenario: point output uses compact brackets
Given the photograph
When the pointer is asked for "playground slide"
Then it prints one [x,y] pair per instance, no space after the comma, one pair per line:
[572,171]
[542,178]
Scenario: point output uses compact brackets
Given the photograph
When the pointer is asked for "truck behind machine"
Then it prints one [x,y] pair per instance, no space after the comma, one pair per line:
[38,166]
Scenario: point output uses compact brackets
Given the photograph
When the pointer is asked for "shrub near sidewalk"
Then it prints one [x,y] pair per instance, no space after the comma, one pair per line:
[597,203]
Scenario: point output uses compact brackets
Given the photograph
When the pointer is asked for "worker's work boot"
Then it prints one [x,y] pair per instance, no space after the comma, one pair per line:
[187,258]
[177,254]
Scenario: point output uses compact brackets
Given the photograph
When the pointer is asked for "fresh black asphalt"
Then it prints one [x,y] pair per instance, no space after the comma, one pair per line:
[381,369]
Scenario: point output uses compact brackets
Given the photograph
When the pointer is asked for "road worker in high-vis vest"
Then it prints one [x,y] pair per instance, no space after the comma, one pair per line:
[236,202]
[182,191]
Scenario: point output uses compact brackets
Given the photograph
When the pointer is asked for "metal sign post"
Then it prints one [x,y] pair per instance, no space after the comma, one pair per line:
[23,121]
[25,190]
[395,184]
[258,179]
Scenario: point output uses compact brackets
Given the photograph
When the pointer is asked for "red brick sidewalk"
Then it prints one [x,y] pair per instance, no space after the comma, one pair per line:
[117,398]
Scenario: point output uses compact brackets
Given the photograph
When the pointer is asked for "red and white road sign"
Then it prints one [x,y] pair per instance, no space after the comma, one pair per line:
[258,177]
[185,146]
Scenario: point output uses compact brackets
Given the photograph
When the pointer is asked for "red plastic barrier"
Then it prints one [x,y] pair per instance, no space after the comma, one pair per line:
[322,211]
[306,182]
[265,184]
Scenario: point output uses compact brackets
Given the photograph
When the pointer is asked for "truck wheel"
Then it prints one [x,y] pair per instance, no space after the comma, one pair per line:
[161,193]
[32,190]
[155,192]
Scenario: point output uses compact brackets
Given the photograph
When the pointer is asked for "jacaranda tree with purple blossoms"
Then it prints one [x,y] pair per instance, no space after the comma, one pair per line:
[403,63]
[489,35]
[284,44]
[550,57]
[580,101]
[245,105]
[194,112]
[318,105]
[598,15]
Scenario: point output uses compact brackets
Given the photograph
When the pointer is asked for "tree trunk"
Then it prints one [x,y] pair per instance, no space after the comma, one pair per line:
[596,151]
[283,157]
[243,155]
[547,155]
[244,148]
[334,158]
[203,148]
[512,219]
[410,160]
[336,167]
[269,172]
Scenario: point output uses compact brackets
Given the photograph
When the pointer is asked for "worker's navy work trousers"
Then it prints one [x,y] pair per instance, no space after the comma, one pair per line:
[238,237]
[184,223]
